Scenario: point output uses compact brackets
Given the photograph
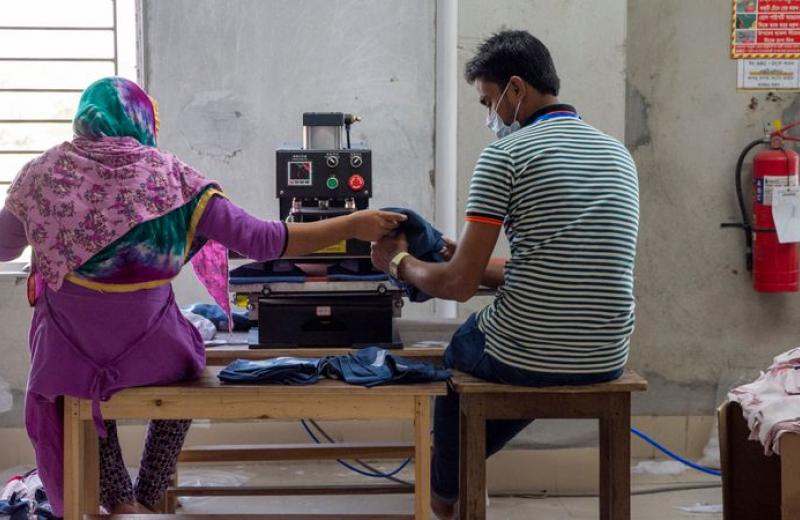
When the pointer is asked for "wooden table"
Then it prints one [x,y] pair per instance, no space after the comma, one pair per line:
[609,402]
[753,484]
[225,355]
[207,398]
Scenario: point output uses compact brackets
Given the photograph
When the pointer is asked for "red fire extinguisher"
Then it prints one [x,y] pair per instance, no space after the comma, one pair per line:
[774,265]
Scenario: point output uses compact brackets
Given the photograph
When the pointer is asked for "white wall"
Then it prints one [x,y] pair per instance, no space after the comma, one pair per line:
[587,42]
[699,322]
[233,78]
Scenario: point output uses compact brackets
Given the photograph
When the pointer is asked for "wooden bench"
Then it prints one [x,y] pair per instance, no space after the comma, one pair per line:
[295,452]
[609,402]
[207,398]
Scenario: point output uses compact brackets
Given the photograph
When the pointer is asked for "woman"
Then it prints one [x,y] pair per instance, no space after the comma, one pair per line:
[112,220]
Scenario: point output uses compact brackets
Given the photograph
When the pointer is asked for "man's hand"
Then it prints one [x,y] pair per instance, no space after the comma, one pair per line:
[387,248]
[449,248]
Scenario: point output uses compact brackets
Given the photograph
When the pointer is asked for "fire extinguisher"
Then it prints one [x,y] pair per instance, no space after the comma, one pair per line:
[774,265]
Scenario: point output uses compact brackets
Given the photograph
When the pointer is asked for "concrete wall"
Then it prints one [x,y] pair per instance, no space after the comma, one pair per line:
[233,79]
[220,72]
[699,321]
[587,42]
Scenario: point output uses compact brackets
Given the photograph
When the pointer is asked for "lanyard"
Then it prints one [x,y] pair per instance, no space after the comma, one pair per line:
[556,115]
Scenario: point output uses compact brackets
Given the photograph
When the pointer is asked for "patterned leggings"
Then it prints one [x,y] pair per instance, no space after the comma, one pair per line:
[162,447]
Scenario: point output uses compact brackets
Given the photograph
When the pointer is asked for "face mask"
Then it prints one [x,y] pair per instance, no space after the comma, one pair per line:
[497,125]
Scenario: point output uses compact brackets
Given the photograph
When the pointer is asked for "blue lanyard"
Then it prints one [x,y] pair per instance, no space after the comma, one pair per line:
[565,114]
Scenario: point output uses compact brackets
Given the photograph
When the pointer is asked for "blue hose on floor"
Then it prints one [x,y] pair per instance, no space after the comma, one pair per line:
[675,456]
[353,468]
[644,437]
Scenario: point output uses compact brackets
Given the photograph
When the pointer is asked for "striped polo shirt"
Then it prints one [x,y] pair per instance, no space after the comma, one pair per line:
[567,196]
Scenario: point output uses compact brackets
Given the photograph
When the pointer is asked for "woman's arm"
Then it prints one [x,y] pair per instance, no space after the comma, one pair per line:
[262,240]
[12,236]
[367,225]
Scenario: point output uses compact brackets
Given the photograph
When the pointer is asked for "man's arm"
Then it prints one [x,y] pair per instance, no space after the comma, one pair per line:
[493,276]
[457,279]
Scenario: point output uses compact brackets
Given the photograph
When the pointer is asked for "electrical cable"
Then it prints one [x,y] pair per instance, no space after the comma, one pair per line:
[360,462]
[353,468]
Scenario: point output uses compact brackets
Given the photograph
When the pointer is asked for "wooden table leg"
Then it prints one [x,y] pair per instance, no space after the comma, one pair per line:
[73,474]
[615,458]
[91,469]
[422,457]
[472,458]
[790,476]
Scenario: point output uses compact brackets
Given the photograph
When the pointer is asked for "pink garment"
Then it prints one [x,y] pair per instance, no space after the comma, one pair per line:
[80,196]
[73,353]
[771,403]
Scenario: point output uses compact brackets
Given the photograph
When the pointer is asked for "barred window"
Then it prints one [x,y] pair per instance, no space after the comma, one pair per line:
[50,50]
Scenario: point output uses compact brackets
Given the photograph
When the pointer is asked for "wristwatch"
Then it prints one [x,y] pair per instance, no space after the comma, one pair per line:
[394,265]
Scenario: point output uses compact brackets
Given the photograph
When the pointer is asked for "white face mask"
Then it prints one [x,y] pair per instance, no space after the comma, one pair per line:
[497,125]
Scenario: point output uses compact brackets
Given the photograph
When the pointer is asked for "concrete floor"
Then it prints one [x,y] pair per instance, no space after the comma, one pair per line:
[661,506]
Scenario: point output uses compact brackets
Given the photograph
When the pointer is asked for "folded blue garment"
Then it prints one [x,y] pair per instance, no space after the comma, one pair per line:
[373,366]
[424,242]
[282,370]
[369,366]
[358,277]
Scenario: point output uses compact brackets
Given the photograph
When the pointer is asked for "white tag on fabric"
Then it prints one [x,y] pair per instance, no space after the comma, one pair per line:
[786,214]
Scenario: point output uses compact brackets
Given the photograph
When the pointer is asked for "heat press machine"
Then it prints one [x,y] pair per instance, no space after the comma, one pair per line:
[332,297]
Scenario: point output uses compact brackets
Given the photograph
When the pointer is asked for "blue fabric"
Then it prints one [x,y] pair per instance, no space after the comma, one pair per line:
[369,366]
[358,277]
[284,271]
[424,242]
[282,371]
[216,315]
[15,509]
[467,353]
[373,366]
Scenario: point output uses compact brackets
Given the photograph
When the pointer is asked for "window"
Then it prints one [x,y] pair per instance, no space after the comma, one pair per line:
[50,50]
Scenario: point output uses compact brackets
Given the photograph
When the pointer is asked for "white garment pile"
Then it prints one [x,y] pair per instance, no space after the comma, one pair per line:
[22,487]
[204,326]
[771,403]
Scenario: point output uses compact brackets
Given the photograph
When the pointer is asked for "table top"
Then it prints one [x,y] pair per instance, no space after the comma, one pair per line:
[208,381]
[238,348]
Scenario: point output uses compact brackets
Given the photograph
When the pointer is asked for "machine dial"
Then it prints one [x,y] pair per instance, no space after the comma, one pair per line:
[356,161]
[332,161]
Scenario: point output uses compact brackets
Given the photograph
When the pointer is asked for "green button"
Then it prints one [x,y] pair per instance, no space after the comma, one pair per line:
[332,183]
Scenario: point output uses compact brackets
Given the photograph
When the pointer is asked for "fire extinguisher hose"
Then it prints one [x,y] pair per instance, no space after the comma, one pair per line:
[746,226]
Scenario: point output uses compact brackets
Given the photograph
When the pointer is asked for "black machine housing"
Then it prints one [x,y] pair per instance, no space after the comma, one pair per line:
[324,178]
[305,195]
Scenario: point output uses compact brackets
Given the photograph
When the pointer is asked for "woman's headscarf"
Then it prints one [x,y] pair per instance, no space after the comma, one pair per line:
[79,197]
[116,107]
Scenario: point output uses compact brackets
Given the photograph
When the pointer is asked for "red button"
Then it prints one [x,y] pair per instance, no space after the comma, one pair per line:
[356,182]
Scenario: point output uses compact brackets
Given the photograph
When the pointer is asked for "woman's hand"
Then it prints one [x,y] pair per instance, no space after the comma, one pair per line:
[371,225]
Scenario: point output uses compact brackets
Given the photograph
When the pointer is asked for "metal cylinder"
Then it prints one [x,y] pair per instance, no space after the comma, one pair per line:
[322,137]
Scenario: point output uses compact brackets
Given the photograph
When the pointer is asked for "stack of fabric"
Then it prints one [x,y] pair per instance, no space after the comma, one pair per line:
[370,366]
[771,403]
[23,498]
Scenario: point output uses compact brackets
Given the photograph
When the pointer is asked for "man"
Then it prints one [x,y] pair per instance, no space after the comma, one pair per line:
[567,197]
